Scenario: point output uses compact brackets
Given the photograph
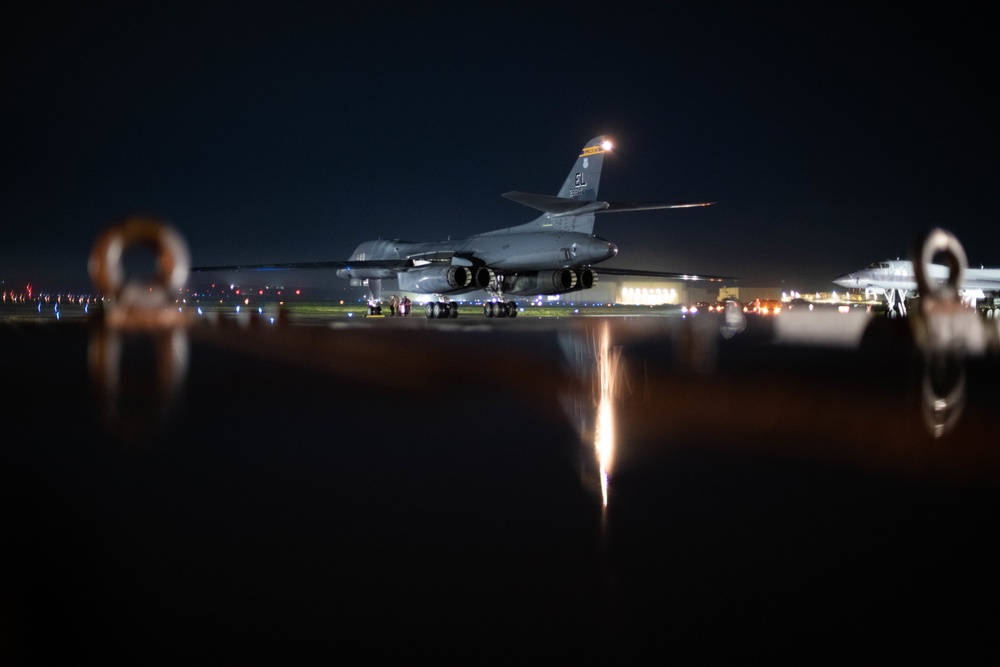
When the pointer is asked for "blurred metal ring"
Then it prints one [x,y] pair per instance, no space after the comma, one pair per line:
[940,242]
[173,261]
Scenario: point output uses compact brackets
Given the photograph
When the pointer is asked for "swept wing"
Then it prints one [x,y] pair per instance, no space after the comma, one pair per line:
[392,264]
[609,271]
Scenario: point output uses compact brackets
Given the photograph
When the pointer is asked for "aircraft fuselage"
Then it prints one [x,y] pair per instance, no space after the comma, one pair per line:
[504,251]
[899,275]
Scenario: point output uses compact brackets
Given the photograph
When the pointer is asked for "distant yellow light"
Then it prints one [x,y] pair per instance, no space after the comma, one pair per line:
[606,145]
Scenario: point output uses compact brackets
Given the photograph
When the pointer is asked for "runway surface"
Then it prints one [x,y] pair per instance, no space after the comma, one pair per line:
[574,488]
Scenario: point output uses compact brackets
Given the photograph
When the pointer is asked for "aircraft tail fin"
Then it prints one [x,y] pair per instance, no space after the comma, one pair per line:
[585,176]
[574,207]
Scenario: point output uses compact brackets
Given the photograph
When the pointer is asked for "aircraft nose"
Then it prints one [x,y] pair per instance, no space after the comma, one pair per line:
[846,280]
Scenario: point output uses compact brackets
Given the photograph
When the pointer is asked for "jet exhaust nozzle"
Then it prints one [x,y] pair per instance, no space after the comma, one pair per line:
[482,277]
[436,279]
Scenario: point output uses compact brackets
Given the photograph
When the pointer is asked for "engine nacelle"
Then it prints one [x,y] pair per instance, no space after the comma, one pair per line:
[482,277]
[436,279]
[585,278]
[559,281]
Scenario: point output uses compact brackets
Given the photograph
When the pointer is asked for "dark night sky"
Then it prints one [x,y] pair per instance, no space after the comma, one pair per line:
[830,134]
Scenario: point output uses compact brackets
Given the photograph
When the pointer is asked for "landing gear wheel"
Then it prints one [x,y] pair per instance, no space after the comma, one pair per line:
[443,310]
[453,310]
[430,310]
[500,309]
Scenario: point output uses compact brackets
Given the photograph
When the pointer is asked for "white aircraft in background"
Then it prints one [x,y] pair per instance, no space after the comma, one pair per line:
[895,280]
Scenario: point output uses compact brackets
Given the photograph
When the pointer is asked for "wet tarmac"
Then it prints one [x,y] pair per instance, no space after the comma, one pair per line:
[585,487]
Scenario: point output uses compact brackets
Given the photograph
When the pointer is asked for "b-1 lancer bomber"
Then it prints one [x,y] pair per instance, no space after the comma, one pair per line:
[553,254]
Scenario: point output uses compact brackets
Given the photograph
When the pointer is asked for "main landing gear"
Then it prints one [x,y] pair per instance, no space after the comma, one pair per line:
[500,309]
[498,305]
[441,310]
[895,303]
